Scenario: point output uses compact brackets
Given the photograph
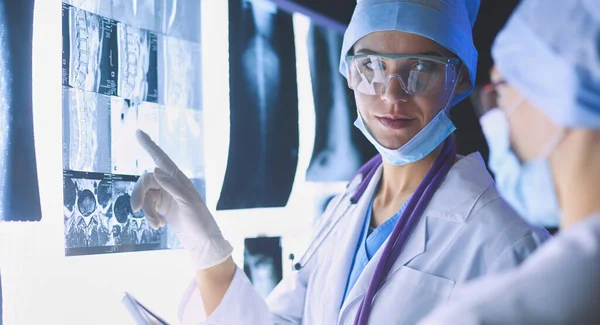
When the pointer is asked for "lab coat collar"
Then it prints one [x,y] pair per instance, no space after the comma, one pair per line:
[466,181]
[453,201]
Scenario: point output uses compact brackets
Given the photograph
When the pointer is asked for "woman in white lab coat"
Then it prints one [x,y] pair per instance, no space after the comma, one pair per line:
[414,222]
[545,151]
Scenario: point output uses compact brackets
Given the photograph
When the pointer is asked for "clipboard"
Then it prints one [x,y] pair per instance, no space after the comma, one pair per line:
[139,312]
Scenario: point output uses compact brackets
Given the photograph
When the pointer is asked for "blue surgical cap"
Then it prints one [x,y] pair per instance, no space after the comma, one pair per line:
[447,22]
[550,53]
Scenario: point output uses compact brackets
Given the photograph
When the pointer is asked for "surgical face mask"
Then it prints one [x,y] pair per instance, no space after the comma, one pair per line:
[424,142]
[528,187]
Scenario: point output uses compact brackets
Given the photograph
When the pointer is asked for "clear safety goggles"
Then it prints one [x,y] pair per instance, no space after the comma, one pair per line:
[418,75]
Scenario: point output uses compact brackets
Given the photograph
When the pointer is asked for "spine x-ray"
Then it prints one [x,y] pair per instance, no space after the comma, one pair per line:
[123,71]
[98,217]
[340,149]
[19,191]
[263,263]
[263,149]
[104,56]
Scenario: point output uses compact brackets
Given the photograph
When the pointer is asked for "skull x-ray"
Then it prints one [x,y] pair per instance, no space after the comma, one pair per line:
[19,192]
[98,217]
[263,148]
[340,149]
[263,263]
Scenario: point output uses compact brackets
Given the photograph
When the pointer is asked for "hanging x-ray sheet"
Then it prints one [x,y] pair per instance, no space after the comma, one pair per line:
[340,148]
[104,56]
[90,51]
[179,72]
[138,64]
[136,13]
[263,263]
[263,148]
[99,7]
[179,18]
[19,192]
[86,131]
[120,74]
[98,217]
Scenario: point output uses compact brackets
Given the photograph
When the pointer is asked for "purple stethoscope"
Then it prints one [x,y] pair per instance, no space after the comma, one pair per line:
[407,222]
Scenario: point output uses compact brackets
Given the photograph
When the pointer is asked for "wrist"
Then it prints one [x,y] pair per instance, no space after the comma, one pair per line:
[222,272]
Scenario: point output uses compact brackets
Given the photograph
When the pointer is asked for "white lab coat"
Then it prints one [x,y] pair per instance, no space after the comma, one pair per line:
[559,284]
[466,231]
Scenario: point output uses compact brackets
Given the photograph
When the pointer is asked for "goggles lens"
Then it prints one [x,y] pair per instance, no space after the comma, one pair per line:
[417,75]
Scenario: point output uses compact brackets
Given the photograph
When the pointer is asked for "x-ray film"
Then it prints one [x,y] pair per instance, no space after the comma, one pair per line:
[98,217]
[99,7]
[263,148]
[119,75]
[91,62]
[180,18]
[179,73]
[340,148]
[126,117]
[86,131]
[137,13]
[19,192]
[138,75]
[263,263]
[182,138]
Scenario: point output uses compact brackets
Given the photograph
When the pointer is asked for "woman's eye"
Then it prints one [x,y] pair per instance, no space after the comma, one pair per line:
[373,64]
[422,66]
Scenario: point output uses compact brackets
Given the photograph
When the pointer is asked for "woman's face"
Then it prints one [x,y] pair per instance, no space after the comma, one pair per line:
[530,129]
[393,117]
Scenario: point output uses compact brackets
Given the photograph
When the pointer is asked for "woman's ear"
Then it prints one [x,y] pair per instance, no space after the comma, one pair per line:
[464,81]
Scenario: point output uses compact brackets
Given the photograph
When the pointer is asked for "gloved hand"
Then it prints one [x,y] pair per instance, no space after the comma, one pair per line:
[168,195]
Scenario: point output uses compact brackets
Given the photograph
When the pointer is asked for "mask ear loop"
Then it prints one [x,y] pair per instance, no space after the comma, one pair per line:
[553,144]
[513,107]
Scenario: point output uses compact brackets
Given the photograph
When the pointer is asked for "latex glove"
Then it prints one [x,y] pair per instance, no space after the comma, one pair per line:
[167,195]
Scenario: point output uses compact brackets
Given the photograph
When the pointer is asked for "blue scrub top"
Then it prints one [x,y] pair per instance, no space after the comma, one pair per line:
[370,241]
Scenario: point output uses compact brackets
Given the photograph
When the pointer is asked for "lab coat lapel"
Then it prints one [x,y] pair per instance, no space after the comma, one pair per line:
[415,245]
[344,244]
[452,202]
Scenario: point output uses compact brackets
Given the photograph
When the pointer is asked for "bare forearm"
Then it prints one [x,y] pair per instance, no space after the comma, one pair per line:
[213,283]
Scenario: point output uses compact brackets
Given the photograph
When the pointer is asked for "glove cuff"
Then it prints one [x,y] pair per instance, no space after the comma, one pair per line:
[213,252]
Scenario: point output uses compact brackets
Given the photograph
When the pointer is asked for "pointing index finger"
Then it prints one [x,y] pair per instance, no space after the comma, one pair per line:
[160,158]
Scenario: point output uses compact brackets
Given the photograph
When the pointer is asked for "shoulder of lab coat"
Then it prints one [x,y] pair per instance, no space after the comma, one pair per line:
[468,197]
[558,284]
